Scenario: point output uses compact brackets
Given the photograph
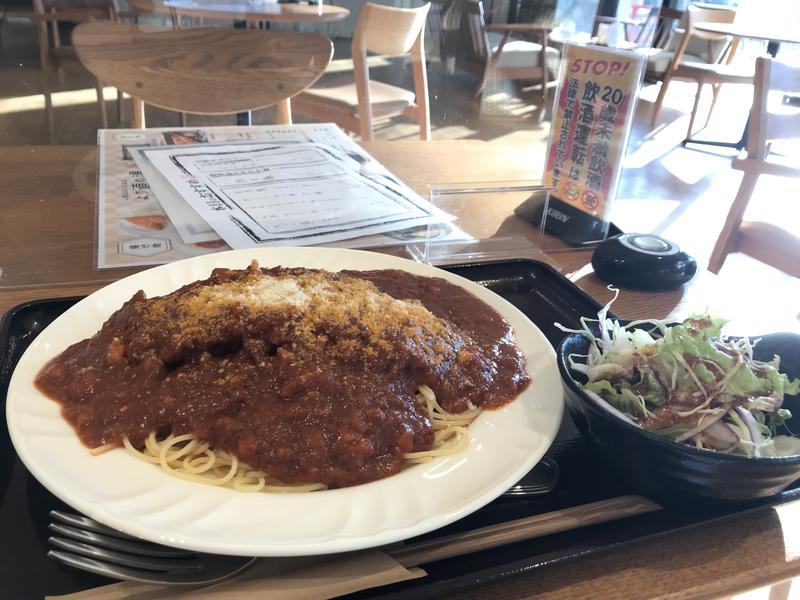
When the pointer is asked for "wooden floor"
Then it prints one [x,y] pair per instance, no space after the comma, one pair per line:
[680,193]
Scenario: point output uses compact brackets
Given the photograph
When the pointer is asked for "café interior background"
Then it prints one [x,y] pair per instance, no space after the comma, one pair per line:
[680,193]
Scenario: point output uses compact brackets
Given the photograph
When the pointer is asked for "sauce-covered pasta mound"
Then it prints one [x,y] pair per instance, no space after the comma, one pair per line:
[289,376]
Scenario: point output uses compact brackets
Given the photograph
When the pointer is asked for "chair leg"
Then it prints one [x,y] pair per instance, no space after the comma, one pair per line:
[138,113]
[284,109]
[482,83]
[715,93]
[44,46]
[48,106]
[726,242]
[660,100]
[365,125]
[56,32]
[694,109]
[424,121]
[420,74]
[101,104]
[544,87]
[543,61]
[119,107]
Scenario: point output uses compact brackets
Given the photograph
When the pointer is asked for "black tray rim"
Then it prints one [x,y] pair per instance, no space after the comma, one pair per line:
[475,578]
[8,316]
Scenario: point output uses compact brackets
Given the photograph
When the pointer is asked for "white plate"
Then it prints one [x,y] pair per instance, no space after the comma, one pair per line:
[139,499]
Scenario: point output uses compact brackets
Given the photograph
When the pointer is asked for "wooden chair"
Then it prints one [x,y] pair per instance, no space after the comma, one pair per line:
[654,29]
[355,103]
[659,27]
[771,120]
[203,71]
[53,55]
[716,71]
[490,50]
[540,12]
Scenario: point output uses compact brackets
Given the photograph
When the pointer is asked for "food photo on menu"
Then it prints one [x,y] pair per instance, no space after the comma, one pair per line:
[346,301]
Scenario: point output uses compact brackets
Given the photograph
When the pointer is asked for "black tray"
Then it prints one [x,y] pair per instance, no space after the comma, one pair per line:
[536,289]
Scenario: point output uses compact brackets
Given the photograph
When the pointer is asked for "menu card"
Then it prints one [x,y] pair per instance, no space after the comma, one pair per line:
[143,219]
[268,194]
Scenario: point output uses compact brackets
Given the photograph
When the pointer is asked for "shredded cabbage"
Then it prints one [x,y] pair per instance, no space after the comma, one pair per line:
[688,382]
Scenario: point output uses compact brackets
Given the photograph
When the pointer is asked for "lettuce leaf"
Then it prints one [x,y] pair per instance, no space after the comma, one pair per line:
[780,382]
[703,374]
[705,325]
[673,431]
[683,343]
[623,399]
[651,363]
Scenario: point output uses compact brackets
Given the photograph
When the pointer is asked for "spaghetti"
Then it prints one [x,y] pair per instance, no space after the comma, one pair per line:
[188,457]
[289,380]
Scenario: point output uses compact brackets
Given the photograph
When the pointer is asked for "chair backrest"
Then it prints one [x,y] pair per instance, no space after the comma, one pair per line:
[540,12]
[203,71]
[463,24]
[771,118]
[80,11]
[101,6]
[698,14]
[718,47]
[387,30]
[659,24]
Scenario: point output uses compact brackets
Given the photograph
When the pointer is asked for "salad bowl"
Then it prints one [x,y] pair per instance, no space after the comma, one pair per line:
[672,471]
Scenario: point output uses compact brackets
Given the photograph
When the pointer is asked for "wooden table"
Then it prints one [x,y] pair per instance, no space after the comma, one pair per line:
[47,242]
[208,71]
[773,32]
[242,10]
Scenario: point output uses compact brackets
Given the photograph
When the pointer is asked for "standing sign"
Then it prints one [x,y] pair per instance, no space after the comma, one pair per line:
[597,92]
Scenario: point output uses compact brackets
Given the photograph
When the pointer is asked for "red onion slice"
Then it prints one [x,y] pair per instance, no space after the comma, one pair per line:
[700,428]
[720,436]
[751,424]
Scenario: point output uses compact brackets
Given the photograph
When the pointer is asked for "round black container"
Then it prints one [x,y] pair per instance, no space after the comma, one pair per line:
[670,471]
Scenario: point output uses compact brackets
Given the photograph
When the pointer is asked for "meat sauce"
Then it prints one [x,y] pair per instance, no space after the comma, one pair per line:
[306,375]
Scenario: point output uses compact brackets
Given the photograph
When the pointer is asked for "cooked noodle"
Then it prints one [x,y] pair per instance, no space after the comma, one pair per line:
[187,457]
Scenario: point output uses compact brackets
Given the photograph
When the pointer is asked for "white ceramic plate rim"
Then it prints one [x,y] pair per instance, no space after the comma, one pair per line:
[141,500]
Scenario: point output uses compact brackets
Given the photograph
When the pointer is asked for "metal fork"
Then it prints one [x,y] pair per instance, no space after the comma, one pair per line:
[86,544]
[91,546]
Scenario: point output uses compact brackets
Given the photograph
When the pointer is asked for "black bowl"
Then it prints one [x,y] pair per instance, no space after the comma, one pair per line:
[671,471]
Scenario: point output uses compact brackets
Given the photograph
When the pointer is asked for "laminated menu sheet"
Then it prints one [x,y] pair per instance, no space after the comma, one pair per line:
[316,186]
[278,194]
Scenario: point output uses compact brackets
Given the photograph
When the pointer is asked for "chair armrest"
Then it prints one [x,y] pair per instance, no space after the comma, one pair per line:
[765,167]
[73,16]
[127,14]
[518,27]
[508,28]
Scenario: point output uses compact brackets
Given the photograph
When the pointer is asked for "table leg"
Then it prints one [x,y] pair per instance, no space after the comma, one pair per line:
[138,113]
[243,118]
[284,109]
